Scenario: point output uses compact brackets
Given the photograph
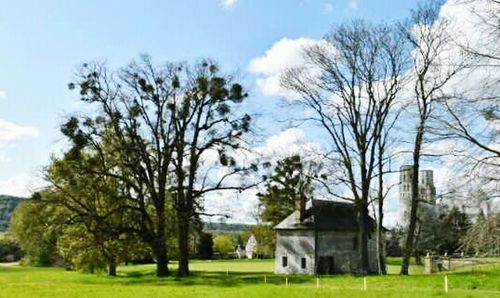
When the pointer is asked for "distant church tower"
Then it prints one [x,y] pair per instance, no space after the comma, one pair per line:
[426,189]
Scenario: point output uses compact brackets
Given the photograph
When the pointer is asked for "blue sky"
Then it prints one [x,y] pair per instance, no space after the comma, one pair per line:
[43,42]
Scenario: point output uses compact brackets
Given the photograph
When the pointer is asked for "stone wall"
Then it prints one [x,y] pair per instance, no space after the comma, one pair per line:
[342,246]
[295,245]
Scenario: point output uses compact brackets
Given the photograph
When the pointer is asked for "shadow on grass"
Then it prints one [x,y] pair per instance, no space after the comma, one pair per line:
[223,279]
[205,278]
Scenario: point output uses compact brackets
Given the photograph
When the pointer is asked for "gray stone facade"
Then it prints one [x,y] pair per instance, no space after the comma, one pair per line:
[323,241]
[295,245]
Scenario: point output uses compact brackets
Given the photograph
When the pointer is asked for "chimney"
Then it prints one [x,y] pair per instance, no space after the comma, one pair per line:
[300,207]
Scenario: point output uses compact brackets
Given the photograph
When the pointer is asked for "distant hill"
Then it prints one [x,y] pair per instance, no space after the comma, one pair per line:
[7,206]
[217,227]
[9,203]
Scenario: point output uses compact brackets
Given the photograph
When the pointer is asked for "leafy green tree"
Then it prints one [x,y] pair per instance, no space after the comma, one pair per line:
[81,250]
[266,240]
[291,182]
[454,225]
[91,251]
[132,135]
[442,232]
[95,218]
[223,244]
[152,131]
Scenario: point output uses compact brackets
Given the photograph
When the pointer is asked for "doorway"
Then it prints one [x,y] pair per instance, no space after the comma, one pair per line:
[326,265]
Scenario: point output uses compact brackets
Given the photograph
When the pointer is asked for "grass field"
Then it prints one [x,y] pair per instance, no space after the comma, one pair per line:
[245,278]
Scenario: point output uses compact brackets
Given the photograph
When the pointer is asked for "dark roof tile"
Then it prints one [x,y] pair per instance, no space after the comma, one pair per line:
[325,215]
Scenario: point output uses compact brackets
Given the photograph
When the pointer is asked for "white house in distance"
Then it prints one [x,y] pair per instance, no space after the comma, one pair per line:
[322,238]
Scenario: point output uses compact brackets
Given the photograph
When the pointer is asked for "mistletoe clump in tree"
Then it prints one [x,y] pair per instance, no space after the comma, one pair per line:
[152,131]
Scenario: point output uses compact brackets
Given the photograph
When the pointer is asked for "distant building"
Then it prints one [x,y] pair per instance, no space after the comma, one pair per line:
[322,238]
[427,192]
[251,247]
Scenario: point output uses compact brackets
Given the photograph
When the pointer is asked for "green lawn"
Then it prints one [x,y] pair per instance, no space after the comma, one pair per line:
[245,278]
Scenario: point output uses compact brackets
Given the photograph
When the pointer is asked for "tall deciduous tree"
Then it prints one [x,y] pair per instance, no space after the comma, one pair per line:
[153,130]
[132,133]
[472,113]
[428,34]
[360,67]
[206,121]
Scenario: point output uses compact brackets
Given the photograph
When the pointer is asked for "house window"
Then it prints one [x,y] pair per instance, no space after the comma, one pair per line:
[284,261]
[354,243]
[303,263]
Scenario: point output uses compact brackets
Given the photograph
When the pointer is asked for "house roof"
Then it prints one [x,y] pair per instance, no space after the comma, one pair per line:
[324,215]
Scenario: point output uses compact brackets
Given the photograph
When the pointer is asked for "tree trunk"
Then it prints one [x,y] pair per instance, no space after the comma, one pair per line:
[183,246]
[381,241]
[363,235]
[160,244]
[160,252]
[380,227]
[410,235]
[112,267]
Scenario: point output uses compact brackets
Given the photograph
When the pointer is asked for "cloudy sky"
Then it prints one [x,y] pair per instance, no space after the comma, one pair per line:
[43,42]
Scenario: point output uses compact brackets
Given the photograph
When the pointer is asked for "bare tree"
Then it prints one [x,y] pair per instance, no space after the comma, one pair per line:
[384,158]
[427,32]
[487,12]
[472,113]
[350,84]
[207,121]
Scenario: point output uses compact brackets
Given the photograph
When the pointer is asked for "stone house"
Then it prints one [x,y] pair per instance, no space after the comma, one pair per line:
[322,238]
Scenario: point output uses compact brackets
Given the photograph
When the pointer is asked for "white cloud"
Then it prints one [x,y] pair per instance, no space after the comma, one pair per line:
[353,4]
[292,141]
[465,24]
[328,8]
[229,3]
[242,206]
[10,132]
[284,54]
[21,185]
[3,94]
